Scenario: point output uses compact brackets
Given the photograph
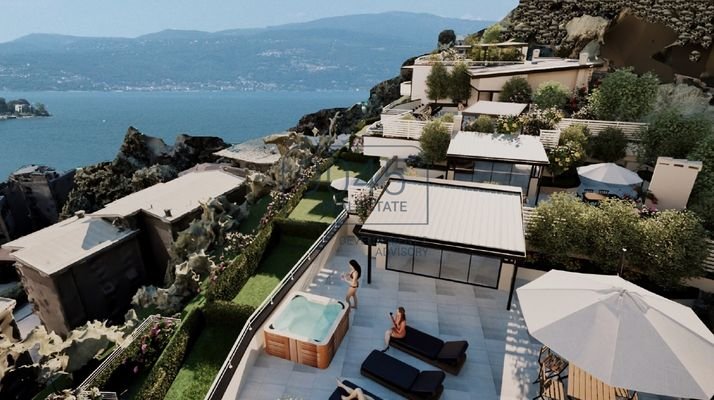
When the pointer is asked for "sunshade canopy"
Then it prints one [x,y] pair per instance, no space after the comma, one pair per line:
[620,333]
[346,182]
[609,173]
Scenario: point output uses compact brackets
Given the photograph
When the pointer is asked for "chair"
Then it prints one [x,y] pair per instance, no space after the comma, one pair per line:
[550,365]
[552,389]
[402,378]
[624,394]
[339,392]
[338,201]
[604,191]
[449,356]
[588,190]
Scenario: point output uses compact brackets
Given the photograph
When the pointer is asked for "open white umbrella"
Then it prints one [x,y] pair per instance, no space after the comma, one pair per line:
[345,183]
[620,333]
[609,173]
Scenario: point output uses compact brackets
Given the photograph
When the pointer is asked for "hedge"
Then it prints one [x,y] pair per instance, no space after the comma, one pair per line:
[227,313]
[231,280]
[309,229]
[166,368]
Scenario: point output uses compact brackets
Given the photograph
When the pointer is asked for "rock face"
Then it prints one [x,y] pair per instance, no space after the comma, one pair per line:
[142,161]
[669,36]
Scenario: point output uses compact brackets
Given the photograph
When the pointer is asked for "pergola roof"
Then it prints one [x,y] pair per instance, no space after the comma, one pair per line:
[460,216]
[521,149]
[495,108]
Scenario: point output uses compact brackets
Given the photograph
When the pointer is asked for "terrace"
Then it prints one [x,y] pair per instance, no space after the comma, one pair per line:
[502,359]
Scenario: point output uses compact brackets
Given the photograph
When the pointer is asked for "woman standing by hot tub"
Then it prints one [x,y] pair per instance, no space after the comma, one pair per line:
[352,279]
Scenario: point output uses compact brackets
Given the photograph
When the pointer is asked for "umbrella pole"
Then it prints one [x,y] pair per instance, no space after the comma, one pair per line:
[513,286]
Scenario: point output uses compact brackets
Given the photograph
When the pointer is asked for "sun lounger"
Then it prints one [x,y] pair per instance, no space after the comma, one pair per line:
[402,378]
[449,356]
[339,392]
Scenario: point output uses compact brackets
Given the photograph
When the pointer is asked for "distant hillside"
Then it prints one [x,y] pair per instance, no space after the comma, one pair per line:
[333,53]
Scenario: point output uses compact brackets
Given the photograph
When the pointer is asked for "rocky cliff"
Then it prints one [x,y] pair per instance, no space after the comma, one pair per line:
[142,161]
[667,36]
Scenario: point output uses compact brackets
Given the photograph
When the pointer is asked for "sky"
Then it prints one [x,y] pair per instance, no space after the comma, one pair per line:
[131,18]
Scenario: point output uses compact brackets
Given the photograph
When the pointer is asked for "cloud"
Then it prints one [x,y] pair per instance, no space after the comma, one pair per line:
[471,17]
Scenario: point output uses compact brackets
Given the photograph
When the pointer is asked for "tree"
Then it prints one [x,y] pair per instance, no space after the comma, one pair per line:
[516,90]
[434,141]
[492,34]
[447,38]
[483,123]
[551,94]
[570,150]
[437,83]
[460,83]
[703,193]
[672,134]
[624,96]
[538,119]
[3,106]
[608,146]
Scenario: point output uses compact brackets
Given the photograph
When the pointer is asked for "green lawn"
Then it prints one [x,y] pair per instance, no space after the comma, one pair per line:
[276,262]
[202,363]
[342,168]
[316,205]
[255,213]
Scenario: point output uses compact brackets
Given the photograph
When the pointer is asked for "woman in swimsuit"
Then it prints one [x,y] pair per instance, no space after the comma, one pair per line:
[398,329]
[353,280]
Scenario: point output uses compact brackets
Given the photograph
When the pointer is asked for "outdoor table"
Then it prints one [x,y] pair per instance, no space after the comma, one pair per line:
[583,386]
[592,196]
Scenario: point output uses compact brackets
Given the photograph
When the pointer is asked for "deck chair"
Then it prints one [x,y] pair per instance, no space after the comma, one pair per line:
[449,356]
[551,389]
[402,378]
[339,392]
[550,365]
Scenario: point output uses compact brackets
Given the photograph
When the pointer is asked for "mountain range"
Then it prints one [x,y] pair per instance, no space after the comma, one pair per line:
[347,52]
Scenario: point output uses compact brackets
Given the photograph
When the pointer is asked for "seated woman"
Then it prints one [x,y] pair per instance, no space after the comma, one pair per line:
[398,329]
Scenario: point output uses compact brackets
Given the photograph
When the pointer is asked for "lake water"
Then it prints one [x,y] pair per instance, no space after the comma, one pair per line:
[88,127]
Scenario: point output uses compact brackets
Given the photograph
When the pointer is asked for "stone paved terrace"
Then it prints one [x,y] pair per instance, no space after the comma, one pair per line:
[502,357]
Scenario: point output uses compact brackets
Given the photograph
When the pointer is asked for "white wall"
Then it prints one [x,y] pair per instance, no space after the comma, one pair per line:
[390,147]
[672,182]
[419,74]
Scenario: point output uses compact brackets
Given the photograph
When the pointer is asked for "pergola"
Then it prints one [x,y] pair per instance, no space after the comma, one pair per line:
[513,160]
[458,231]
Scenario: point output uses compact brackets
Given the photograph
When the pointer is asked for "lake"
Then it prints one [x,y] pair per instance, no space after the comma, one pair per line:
[88,127]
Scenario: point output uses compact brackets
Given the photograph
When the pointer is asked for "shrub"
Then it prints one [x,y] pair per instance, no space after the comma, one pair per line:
[364,203]
[447,118]
[492,34]
[510,124]
[460,83]
[434,141]
[570,150]
[164,372]
[672,134]
[551,94]
[483,123]
[624,96]
[309,229]
[227,313]
[703,193]
[438,83]
[516,90]
[447,38]
[666,247]
[608,146]
[576,133]
[538,119]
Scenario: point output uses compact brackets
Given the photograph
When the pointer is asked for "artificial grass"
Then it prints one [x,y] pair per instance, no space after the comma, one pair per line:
[277,261]
[202,363]
[255,214]
[316,205]
[343,168]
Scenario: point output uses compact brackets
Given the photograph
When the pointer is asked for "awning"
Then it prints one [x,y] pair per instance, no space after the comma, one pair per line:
[517,149]
[496,108]
[454,215]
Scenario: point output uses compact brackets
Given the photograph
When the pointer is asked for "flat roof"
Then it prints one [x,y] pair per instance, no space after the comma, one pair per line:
[6,304]
[58,246]
[457,215]
[520,149]
[539,65]
[495,108]
[181,195]
[252,151]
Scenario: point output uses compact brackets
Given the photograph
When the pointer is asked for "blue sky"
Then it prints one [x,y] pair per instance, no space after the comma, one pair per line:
[129,18]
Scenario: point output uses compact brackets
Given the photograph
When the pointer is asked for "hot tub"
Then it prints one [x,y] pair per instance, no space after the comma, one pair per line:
[307,329]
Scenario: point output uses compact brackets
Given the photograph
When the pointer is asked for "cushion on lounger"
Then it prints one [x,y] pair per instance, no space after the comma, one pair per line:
[453,350]
[420,342]
[428,382]
[388,368]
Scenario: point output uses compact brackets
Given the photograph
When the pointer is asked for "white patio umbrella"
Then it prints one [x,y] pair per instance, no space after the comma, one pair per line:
[345,183]
[609,173]
[620,333]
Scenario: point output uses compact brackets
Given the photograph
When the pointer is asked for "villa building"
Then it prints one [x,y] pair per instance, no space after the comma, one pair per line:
[34,196]
[487,80]
[161,211]
[253,155]
[78,270]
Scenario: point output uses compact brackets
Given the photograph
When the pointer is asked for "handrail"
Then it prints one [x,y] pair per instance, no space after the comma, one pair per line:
[122,347]
[224,377]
